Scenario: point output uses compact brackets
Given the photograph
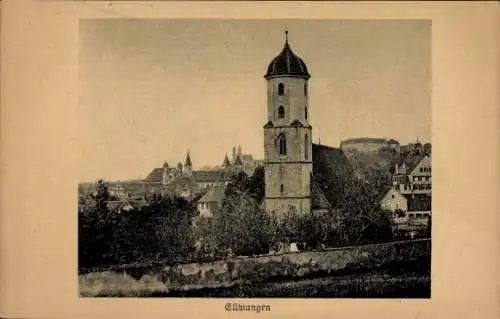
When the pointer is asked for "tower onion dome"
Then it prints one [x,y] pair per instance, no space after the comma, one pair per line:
[287,63]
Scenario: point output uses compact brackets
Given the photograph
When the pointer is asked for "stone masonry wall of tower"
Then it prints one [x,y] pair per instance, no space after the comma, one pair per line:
[287,136]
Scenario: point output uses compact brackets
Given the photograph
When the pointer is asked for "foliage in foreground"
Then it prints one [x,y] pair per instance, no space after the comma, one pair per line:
[163,230]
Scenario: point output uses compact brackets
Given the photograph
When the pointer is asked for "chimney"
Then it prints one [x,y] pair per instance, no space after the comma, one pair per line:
[234,153]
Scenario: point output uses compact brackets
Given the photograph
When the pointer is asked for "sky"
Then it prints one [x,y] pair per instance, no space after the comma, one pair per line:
[149,90]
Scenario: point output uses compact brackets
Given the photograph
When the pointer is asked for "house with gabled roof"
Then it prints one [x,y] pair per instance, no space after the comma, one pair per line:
[211,203]
[409,212]
[413,174]
[393,200]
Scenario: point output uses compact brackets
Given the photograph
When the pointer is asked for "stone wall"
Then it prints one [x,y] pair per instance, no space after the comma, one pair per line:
[137,280]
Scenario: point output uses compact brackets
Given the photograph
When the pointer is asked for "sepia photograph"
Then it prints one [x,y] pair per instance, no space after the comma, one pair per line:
[254,158]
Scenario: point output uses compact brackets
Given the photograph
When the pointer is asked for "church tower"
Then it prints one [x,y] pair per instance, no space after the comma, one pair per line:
[287,135]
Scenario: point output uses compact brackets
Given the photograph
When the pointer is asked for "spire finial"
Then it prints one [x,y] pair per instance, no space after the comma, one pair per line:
[286,34]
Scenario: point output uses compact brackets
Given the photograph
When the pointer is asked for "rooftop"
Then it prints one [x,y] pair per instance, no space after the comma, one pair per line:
[287,63]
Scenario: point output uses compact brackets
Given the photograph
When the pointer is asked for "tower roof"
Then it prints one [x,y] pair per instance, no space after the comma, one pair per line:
[188,160]
[226,161]
[287,63]
[238,161]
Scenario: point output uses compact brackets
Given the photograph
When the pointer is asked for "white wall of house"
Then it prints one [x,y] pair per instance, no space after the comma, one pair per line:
[412,220]
[393,200]
[421,177]
[206,209]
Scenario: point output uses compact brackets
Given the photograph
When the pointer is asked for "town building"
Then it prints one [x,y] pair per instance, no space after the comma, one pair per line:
[393,200]
[410,213]
[211,203]
[368,144]
[409,199]
[413,174]
[183,180]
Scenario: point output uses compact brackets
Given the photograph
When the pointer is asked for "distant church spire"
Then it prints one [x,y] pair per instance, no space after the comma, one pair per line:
[188,163]
[226,162]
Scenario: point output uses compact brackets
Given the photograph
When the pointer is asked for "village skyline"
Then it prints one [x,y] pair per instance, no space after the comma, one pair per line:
[151,91]
[172,162]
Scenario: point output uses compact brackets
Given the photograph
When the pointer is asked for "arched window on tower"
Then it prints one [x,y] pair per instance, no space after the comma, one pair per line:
[281,112]
[305,89]
[281,89]
[282,142]
[306,147]
[282,189]
[305,112]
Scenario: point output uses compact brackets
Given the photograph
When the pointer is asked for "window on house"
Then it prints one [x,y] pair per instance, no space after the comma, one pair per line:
[393,196]
[282,189]
[282,141]
[281,112]
[281,89]
[306,147]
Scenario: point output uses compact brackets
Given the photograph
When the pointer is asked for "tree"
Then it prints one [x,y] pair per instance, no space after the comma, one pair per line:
[428,149]
[256,184]
[95,229]
[240,227]
[159,230]
[101,196]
